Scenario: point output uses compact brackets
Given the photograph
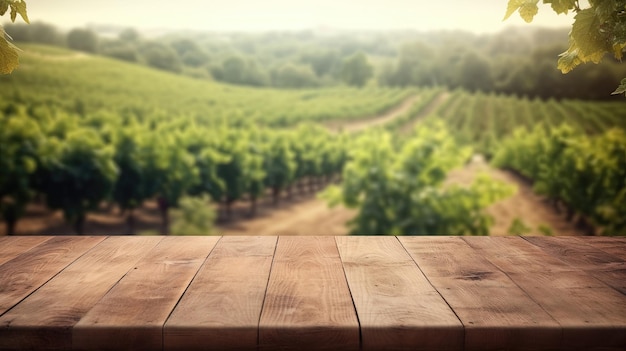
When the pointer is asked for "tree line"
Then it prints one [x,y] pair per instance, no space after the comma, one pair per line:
[513,62]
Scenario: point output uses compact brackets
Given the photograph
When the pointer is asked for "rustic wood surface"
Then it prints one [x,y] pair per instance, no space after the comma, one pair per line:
[298,293]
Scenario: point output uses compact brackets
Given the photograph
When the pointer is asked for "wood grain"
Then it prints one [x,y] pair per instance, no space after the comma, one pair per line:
[615,246]
[299,293]
[132,314]
[582,254]
[591,313]
[25,273]
[495,312]
[516,254]
[308,304]
[43,321]
[221,308]
[397,307]
[10,248]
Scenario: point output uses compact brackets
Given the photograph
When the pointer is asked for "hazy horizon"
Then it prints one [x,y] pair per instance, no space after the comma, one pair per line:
[478,16]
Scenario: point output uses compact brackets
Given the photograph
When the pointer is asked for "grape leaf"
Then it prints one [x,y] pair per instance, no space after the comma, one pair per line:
[19,7]
[586,34]
[569,60]
[618,50]
[9,58]
[621,89]
[526,8]
[4,6]
[561,6]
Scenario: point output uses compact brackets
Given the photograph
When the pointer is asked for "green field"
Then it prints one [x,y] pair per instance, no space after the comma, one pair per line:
[83,129]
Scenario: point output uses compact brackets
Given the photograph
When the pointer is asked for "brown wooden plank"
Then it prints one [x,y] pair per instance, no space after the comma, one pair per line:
[582,254]
[615,246]
[132,314]
[308,303]
[577,253]
[25,273]
[495,312]
[397,307]
[516,254]
[592,314]
[43,321]
[221,308]
[12,246]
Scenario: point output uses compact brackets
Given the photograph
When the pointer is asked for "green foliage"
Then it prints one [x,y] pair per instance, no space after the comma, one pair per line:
[597,30]
[161,56]
[518,227]
[82,40]
[19,158]
[621,89]
[294,76]
[585,173]
[356,70]
[545,230]
[399,189]
[9,58]
[78,174]
[194,216]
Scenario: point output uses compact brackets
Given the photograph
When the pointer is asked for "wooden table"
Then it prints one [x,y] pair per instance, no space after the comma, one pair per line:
[296,293]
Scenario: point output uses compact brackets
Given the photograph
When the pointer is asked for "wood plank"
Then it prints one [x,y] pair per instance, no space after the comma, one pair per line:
[397,307]
[132,314]
[516,254]
[308,303]
[43,321]
[615,246]
[495,312]
[221,308]
[592,314]
[25,273]
[577,253]
[580,254]
[12,246]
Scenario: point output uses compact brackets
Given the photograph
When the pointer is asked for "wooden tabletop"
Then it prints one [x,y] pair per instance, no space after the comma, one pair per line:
[299,293]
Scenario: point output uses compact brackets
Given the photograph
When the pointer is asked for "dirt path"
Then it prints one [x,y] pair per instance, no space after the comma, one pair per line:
[432,106]
[356,125]
[525,205]
[308,216]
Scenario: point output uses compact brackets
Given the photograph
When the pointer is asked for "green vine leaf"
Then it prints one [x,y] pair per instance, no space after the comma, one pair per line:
[526,8]
[19,7]
[561,6]
[9,58]
[621,89]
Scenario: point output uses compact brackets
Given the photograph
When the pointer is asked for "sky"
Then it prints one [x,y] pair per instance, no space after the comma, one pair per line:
[478,16]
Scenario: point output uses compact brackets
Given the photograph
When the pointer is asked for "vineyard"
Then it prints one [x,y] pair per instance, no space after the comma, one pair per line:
[77,131]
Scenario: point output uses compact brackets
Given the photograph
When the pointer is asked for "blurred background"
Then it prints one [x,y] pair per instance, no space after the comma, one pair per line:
[306,118]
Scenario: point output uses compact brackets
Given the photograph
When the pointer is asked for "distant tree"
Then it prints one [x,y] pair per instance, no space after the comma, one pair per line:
[161,56]
[321,61]
[129,35]
[121,51]
[239,70]
[83,40]
[195,58]
[356,70]
[19,32]
[294,76]
[46,33]
[475,73]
